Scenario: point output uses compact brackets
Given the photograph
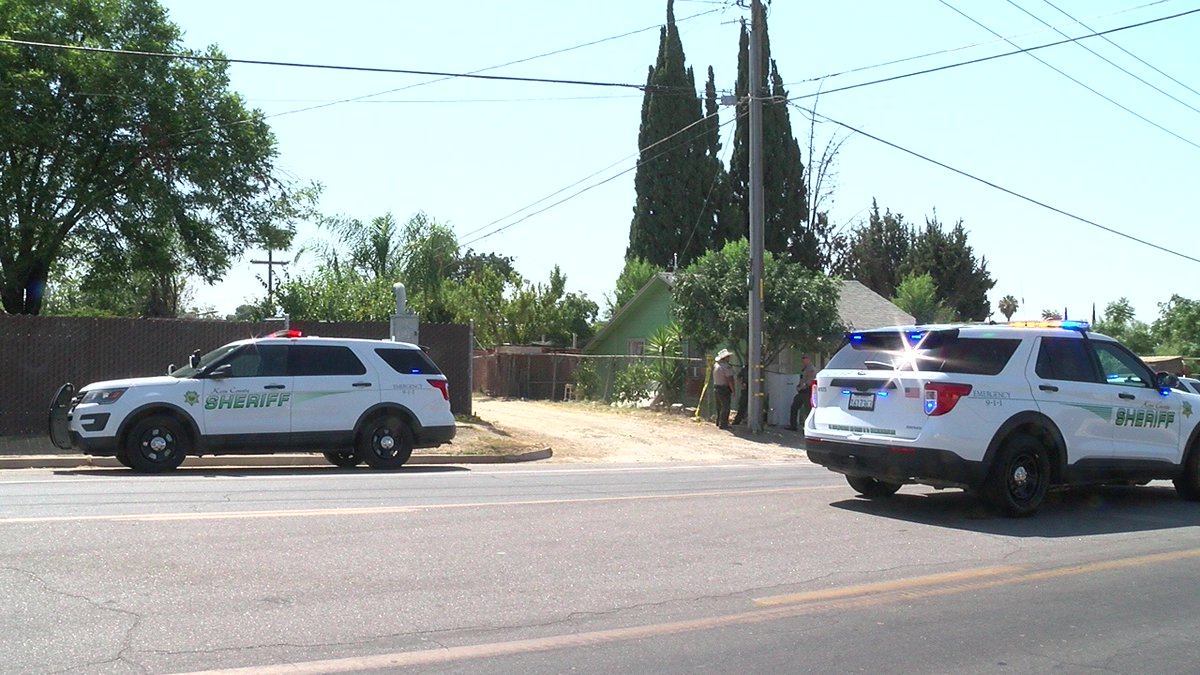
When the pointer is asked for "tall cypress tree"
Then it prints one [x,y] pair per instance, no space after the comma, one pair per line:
[673,217]
[785,196]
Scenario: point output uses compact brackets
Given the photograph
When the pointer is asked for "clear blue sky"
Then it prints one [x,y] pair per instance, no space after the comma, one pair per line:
[470,152]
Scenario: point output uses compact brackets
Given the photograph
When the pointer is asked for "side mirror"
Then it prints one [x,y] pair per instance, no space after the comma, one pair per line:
[194,359]
[170,368]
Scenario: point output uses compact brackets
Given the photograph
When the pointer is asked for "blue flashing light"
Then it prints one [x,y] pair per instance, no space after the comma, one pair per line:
[1075,325]
[881,393]
[857,337]
[930,404]
[845,392]
[916,336]
[1165,391]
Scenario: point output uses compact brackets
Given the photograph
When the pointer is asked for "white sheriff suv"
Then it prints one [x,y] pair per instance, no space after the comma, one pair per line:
[1003,410]
[355,400]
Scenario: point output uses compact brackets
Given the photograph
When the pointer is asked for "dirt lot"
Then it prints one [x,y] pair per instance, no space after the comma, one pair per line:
[582,432]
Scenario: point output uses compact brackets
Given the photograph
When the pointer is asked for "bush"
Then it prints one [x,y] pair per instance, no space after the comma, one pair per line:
[633,383]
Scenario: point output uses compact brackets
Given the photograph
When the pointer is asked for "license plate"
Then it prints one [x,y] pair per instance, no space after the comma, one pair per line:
[862,401]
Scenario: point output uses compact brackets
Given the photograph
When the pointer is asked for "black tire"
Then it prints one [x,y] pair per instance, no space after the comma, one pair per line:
[1019,477]
[122,457]
[156,444]
[385,442]
[347,459]
[872,488]
[1188,484]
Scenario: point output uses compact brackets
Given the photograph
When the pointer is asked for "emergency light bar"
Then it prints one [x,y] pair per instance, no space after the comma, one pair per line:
[1054,323]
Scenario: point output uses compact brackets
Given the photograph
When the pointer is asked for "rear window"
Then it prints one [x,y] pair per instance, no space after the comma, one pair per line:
[408,361]
[943,353]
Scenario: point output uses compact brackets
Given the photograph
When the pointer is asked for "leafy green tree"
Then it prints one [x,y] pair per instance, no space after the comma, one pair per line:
[963,282]
[878,249]
[1119,321]
[1051,315]
[634,276]
[785,196]
[918,295]
[121,157]
[673,218]
[665,347]
[1008,306]
[1177,329]
[799,305]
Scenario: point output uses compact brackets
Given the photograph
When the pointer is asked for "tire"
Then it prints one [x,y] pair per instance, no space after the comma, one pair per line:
[122,457]
[1188,484]
[1019,477]
[872,488]
[384,442]
[156,444]
[343,458]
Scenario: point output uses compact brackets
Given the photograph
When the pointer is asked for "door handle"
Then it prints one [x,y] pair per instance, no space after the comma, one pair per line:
[362,384]
[274,386]
[1047,387]
[1126,396]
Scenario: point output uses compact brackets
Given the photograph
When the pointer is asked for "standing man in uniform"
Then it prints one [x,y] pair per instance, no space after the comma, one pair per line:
[722,381]
[802,402]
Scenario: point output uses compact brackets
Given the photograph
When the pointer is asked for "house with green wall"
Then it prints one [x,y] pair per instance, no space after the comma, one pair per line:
[625,335]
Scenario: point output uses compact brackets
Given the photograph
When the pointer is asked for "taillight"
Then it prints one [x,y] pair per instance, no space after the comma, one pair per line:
[442,386]
[941,397]
[812,395]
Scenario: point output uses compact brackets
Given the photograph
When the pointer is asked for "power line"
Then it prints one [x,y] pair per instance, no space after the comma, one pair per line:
[1060,72]
[1142,61]
[317,66]
[994,56]
[963,47]
[586,189]
[1105,59]
[998,187]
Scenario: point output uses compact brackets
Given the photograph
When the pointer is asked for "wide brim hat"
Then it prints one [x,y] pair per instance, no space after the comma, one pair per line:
[724,354]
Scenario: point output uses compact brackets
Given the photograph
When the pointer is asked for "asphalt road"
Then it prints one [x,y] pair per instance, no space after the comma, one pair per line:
[751,567]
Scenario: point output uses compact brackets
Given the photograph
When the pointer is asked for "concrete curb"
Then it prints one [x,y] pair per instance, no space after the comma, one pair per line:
[281,460]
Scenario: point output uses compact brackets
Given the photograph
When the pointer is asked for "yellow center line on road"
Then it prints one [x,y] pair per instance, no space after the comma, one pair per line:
[386,510]
[784,607]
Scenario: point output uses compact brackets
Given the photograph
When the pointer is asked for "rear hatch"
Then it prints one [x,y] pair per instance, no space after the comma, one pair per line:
[881,384]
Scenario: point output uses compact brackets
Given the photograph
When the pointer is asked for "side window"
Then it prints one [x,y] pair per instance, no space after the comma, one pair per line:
[1121,367]
[408,361]
[309,360]
[259,361]
[1066,359]
[635,347]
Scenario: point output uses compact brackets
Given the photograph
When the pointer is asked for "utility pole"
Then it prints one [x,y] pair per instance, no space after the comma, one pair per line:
[270,262]
[756,393]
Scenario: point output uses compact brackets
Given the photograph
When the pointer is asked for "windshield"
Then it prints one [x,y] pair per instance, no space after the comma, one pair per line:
[946,353]
[205,361]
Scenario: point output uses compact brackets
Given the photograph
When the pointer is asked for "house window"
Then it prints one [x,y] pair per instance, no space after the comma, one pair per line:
[636,347]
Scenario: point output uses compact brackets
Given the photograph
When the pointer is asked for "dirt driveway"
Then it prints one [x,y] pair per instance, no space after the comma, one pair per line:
[581,432]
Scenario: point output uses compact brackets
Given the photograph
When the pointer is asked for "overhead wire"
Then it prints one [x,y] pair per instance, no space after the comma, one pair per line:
[993,57]
[960,48]
[996,186]
[639,163]
[1131,54]
[1078,82]
[1107,60]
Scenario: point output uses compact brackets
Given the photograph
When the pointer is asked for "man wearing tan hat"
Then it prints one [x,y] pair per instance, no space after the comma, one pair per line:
[722,381]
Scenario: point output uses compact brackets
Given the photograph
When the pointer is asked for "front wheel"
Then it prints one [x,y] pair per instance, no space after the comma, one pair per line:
[872,488]
[385,442]
[1019,477]
[342,458]
[1188,484]
[156,444]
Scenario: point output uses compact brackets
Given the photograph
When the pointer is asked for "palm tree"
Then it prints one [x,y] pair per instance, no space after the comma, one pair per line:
[1008,306]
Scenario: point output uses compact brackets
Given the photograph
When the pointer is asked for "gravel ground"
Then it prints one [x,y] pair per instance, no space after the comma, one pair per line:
[583,432]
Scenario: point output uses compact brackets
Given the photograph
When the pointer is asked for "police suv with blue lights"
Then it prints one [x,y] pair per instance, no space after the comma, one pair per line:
[1007,411]
[355,400]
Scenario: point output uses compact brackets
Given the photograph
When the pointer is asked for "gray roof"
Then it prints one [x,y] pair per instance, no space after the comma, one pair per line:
[861,308]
